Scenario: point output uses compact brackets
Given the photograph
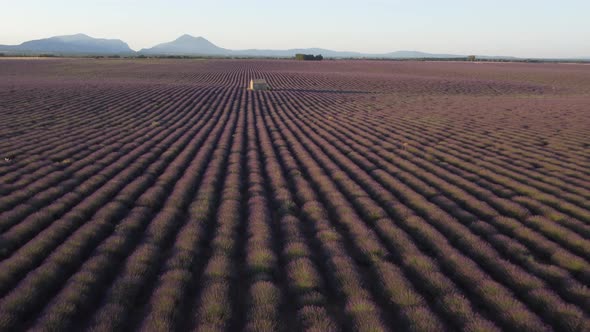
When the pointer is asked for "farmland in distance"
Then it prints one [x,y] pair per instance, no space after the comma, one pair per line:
[161,195]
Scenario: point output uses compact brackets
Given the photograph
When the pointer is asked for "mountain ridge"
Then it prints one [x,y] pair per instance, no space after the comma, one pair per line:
[187,45]
[71,44]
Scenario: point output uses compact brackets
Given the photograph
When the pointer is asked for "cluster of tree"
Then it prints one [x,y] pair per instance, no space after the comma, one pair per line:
[309,57]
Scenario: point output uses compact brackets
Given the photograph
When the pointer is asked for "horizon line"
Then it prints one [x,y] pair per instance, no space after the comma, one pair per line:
[306,48]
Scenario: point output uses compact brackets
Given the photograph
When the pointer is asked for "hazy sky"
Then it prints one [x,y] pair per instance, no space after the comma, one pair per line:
[527,28]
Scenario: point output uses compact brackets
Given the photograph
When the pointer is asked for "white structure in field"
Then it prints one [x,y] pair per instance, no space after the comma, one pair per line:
[258,84]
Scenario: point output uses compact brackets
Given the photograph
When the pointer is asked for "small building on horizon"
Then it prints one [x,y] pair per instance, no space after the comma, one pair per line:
[258,84]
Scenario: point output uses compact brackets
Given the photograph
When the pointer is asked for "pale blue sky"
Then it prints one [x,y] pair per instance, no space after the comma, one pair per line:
[526,28]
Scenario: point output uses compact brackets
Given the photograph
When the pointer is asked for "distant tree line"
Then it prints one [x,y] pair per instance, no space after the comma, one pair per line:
[308,57]
[304,57]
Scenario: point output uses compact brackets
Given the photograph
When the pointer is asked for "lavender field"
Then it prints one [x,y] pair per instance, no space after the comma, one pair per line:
[161,195]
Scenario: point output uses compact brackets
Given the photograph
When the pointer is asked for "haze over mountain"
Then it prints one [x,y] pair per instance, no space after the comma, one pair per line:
[71,44]
[187,45]
[184,45]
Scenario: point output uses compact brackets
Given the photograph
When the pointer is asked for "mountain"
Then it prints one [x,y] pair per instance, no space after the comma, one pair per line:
[81,44]
[71,44]
[187,45]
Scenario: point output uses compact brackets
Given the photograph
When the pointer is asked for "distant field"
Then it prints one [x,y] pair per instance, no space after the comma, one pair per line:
[161,195]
